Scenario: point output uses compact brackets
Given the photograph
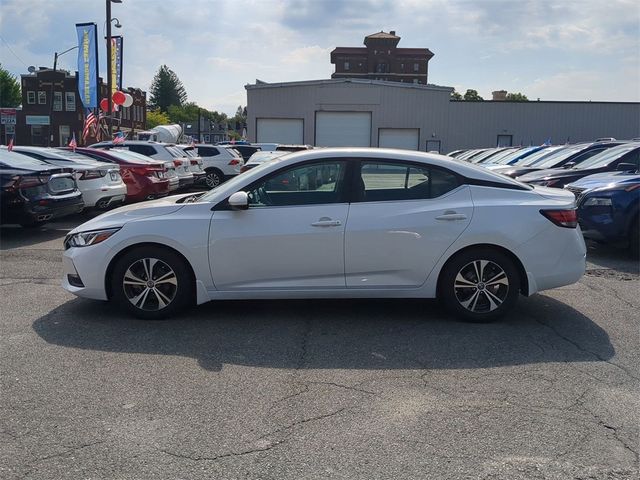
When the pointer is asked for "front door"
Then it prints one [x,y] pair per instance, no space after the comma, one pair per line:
[290,237]
[403,220]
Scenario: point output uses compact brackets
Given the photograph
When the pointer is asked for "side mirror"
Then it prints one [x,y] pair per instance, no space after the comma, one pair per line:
[570,165]
[239,201]
[626,167]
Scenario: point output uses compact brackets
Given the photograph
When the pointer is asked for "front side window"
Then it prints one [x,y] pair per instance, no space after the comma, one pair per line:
[70,101]
[388,181]
[311,184]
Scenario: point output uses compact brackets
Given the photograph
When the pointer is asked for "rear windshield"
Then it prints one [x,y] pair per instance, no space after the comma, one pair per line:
[548,162]
[17,160]
[539,155]
[176,152]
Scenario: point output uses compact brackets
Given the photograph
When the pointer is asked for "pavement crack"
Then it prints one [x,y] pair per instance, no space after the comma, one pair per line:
[585,350]
[69,450]
[339,385]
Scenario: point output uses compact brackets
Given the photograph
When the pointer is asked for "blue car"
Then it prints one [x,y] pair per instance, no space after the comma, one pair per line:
[609,208]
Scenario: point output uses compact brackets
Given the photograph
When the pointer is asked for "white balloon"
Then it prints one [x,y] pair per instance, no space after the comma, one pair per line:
[128,100]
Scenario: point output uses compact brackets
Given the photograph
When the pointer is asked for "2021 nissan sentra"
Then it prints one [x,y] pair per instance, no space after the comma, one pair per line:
[335,223]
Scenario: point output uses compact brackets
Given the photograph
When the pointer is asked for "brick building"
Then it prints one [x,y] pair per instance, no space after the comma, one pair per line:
[52,111]
[381,59]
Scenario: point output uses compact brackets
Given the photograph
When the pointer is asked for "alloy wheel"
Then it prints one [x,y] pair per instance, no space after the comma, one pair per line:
[481,286]
[150,284]
[212,180]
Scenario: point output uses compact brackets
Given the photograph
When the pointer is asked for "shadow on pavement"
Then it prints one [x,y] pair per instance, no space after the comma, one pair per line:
[608,256]
[335,334]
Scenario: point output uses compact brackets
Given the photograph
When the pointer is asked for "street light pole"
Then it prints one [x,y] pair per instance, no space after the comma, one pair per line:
[109,99]
[55,66]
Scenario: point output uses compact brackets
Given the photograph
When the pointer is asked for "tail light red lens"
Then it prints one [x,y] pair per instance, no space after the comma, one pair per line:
[177,163]
[243,169]
[194,162]
[19,182]
[235,161]
[563,218]
[92,174]
[148,171]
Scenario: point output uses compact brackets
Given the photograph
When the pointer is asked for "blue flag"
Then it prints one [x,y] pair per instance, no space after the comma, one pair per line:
[88,64]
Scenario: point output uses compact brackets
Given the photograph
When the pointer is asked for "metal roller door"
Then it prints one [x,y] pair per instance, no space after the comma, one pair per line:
[406,138]
[343,129]
[280,130]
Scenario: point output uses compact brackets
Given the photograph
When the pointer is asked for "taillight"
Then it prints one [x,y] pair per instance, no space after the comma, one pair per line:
[19,182]
[91,174]
[194,162]
[177,163]
[563,218]
[243,169]
[235,161]
[148,171]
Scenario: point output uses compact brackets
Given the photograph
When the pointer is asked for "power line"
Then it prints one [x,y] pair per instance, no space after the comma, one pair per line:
[14,53]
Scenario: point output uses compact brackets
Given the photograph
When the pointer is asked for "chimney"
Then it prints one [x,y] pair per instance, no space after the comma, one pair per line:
[392,32]
[499,95]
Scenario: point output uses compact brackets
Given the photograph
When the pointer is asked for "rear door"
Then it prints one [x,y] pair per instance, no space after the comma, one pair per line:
[403,218]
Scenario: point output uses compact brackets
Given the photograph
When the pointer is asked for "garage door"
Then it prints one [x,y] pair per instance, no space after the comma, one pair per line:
[407,138]
[280,130]
[343,129]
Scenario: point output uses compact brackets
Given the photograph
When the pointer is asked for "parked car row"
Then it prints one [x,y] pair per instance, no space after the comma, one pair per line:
[603,175]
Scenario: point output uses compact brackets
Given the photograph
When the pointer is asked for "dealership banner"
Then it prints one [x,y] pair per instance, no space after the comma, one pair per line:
[88,64]
[116,63]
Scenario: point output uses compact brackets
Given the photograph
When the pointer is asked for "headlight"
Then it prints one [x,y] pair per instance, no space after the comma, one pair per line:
[84,239]
[597,202]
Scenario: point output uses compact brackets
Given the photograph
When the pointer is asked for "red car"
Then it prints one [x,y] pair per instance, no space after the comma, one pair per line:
[145,180]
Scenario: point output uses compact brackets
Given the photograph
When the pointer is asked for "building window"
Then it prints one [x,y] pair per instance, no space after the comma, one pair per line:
[416,67]
[42,97]
[375,52]
[206,138]
[31,97]
[415,80]
[346,65]
[57,101]
[70,101]
[402,66]
[388,52]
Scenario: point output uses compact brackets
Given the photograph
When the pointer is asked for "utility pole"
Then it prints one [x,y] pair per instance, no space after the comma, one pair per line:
[199,125]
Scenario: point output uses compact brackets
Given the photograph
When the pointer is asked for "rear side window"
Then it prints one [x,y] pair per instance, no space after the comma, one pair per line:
[388,181]
[143,149]
[208,151]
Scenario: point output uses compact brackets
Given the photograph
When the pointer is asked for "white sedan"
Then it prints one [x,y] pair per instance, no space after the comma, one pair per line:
[335,223]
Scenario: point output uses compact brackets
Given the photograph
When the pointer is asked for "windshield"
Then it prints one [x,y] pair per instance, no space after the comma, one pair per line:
[558,157]
[605,158]
[539,155]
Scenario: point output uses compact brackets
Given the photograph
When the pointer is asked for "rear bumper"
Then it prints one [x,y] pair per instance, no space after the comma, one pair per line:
[150,190]
[30,212]
[94,196]
[186,181]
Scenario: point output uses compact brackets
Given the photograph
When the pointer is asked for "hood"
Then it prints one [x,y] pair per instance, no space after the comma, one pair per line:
[136,211]
[605,179]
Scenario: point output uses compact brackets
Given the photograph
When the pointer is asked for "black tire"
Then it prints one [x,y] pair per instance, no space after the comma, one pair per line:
[634,239]
[479,303]
[213,178]
[134,264]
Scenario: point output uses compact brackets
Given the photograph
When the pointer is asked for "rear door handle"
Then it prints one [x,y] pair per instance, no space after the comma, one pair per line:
[452,216]
[325,222]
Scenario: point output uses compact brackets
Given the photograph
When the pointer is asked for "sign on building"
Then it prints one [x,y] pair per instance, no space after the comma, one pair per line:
[7,116]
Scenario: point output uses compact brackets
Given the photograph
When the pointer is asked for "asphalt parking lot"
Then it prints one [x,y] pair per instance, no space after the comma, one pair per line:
[316,389]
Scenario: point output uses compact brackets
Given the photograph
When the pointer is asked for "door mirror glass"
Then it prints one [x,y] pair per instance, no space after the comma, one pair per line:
[239,201]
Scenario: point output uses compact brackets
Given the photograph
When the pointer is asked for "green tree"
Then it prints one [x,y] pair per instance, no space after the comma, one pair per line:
[472,96]
[166,90]
[517,97]
[455,96]
[156,117]
[184,113]
[10,95]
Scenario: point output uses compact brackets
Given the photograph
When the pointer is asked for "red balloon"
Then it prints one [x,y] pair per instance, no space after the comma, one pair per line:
[104,104]
[118,97]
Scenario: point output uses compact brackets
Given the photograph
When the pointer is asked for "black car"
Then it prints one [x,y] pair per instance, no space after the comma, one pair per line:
[556,157]
[33,192]
[624,157]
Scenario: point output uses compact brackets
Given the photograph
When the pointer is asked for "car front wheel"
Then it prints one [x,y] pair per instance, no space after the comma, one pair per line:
[151,283]
[480,285]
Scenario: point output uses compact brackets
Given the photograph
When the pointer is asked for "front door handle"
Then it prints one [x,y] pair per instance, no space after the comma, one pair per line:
[451,216]
[326,222]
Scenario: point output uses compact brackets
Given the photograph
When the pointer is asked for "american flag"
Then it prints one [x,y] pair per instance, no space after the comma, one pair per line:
[89,121]
[72,143]
[10,146]
[118,138]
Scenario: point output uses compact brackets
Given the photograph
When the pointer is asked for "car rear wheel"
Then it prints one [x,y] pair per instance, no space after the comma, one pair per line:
[479,285]
[151,283]
[213,178]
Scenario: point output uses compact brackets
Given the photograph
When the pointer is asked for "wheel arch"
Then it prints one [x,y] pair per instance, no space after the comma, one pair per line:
[124,251]
[524,281]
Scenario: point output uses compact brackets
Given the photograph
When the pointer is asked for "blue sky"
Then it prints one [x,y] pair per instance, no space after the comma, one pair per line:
[552,50]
